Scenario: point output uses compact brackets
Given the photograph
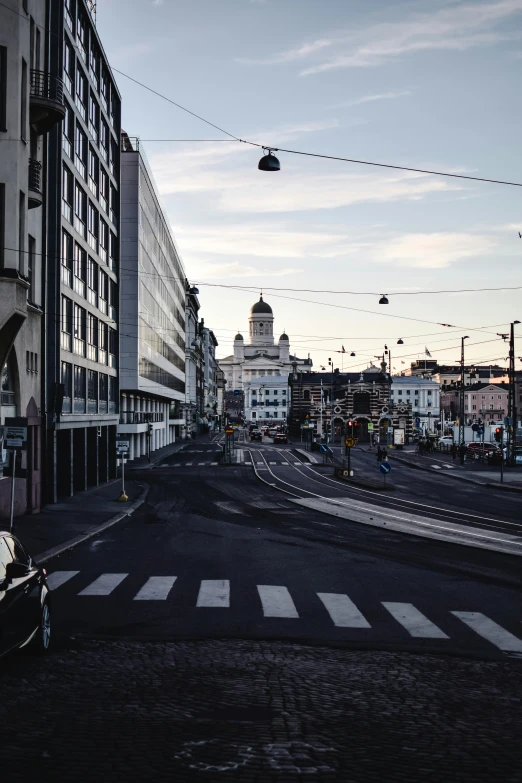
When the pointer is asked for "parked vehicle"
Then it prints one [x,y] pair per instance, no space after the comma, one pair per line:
[25,602]
[446,441]
[272,433]
[281,437]
[256,435]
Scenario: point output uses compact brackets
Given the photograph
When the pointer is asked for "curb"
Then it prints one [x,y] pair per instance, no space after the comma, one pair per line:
[494,485]
[57,550]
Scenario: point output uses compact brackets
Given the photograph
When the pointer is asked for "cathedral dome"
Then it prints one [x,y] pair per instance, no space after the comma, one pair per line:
[238,336]
[260,307]
[284,336]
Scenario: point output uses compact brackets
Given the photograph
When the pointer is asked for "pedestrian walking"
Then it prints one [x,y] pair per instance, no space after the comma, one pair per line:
[454,451]
[379,454]
[462,453]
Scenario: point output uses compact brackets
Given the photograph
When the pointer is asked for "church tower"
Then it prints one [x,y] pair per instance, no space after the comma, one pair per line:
[261,324]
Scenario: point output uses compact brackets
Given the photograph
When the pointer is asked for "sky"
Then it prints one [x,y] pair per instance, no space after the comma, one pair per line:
[430,85]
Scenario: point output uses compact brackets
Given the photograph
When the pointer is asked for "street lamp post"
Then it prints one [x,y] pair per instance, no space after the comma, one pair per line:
[512,404]
[462,376]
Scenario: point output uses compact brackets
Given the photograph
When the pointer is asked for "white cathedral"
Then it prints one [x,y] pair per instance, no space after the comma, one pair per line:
[260,357]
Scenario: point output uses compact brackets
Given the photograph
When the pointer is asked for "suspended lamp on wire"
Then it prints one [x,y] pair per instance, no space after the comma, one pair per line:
[269,162]
[400,341]
[383,300]
[352,354]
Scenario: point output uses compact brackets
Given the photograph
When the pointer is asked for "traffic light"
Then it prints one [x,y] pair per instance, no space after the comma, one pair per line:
[498,434]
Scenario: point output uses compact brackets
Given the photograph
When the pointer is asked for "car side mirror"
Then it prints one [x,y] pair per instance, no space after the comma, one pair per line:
[15,570]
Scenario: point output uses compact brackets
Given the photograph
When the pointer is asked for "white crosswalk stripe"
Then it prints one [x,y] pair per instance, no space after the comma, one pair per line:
[214,593]
[156,588]
[104,585]
[214,463]
[489,630]
[58,578]
[414,621]
[343,611]
[276,601]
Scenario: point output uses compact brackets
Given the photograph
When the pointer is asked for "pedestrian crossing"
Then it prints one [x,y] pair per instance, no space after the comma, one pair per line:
[277,602]
[239,459]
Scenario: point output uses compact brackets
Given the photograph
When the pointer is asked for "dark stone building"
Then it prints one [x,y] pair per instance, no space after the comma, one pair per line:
[360,397]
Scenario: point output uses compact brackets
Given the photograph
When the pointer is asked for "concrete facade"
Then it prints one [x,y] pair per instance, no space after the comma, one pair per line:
[267,400]
[152,342]
[82,294]
[194,387]
[30,104]
[424,396]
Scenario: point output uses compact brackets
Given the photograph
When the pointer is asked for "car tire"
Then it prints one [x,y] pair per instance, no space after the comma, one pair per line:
[42,640]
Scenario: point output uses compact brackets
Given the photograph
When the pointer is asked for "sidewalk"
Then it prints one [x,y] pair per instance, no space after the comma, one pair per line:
[62,525]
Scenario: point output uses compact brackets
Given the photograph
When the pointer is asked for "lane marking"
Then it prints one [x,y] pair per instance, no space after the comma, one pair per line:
[104,585]
[188,464]
[58,578]
[214,592]
[491,631]
[214,463]
[284,463]
[414,621]
[201,463]
[156,588]
[343,611]
[276,601]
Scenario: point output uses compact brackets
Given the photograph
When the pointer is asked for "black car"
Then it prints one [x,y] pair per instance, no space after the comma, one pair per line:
[281,437]
[25,602]
[256,435]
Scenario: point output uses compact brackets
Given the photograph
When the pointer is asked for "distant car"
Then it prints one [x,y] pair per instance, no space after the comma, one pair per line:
[272,433]
[25,602]
[446,440]
[255,435]
[252,427]
[281,437]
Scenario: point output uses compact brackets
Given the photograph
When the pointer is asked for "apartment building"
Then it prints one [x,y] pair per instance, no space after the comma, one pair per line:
[31,104]
[152,357]
[83,192]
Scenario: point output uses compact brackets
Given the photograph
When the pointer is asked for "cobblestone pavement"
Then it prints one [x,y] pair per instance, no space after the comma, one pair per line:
[257,711]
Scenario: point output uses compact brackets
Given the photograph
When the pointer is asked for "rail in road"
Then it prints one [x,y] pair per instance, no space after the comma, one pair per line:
[307,487]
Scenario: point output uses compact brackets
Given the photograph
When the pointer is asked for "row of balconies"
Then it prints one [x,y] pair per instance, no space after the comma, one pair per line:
[140,417]
[46,110]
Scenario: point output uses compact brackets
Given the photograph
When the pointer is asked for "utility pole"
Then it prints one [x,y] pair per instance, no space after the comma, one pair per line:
[461,406]
[512,404]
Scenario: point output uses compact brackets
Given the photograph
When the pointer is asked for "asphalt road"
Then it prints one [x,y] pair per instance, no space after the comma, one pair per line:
[219,553]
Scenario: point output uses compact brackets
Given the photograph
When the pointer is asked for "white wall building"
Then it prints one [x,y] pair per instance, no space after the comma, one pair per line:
[424,395]
[267,399]
[152,347]
[260,356]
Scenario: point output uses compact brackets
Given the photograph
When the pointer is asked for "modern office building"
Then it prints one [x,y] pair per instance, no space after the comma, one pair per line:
[82,295]
[152,340]
[30,106]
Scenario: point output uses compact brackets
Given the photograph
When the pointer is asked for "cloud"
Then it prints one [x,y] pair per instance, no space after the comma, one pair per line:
[158,2]
[433,251]
[240,270]
[125,53]
[457,27]
[383,96]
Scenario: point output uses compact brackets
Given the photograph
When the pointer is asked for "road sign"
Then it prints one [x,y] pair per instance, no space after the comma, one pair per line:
[122,445]
[14,437]
[229,430]
[349,442]
[385,468]
[370,426]
[323,448]
[236,392]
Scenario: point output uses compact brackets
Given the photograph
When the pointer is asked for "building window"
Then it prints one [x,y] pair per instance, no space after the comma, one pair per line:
[113,252]
[103,291]
[79,389]
[103,389]
[3,88]
[408,392]
[113,162]
[103,345]
[92,391]
[104,190]
[80,210]
[104,241]
[474,407]
[94,172]
[81,35]
[67,319]
[80,150]
[80,270]
[21,231]
[416,392]
[23,104]
[79,327]
[92,337]
[113,347]
[68,67]
[104,88]
[92,226]
[81,93]
[104,140]
[67,194]
[429,393]
[400,393]
[67,259]
[92,282]
[68,130]
[69,14]
[31,260]
[113,300]
[94,65]
[113,394]
[66,375]
[94,119]
[113,214]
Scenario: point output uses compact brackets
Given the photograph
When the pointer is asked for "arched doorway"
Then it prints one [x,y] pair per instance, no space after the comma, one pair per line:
[339,430]
[363,435]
